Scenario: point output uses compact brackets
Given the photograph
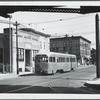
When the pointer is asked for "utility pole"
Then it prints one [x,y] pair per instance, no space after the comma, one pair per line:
[16,24]
[10,42]
[97,46]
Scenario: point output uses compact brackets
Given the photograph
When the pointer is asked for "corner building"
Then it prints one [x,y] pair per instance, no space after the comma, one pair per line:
[76,45]
[30,42]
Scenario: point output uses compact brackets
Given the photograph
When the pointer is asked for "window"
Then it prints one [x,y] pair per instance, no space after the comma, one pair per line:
[40,45]
[72,59]
[57,49]
[53,45]
[64,44]
[61,59]
[35,52]
[67,59]
[64,49]
[52,59]
[41,58]
[44,45]
[20,54]
[57,45]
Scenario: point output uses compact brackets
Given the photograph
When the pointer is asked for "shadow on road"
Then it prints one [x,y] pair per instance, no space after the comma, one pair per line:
[43,89]
[43,74]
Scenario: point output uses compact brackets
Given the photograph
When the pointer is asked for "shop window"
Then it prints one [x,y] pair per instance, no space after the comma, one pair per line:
[20,54]
[34,53]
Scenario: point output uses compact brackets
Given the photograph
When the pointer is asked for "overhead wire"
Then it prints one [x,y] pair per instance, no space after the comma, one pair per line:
[7,22]
[58,20]
[67,25]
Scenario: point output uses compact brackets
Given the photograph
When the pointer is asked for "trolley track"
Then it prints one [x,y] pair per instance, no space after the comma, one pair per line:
[67,80]
[68,84]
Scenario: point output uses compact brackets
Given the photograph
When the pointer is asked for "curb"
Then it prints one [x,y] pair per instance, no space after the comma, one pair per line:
[95,83]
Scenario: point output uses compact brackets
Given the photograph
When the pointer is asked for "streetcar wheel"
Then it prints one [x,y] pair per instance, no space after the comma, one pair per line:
[61,71]
[72,69]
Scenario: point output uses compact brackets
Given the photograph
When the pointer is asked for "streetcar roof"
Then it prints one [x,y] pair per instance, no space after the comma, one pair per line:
[54,53]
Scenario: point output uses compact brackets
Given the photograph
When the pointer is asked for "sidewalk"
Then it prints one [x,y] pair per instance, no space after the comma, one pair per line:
[7,76]
[84,66]
[11,75]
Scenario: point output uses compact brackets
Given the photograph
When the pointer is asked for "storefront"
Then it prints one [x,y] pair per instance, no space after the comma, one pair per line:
[30,42]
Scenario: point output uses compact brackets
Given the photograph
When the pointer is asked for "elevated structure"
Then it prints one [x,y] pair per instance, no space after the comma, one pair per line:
[5,10]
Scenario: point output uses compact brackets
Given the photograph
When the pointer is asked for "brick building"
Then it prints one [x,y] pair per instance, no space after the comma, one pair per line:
[77,45]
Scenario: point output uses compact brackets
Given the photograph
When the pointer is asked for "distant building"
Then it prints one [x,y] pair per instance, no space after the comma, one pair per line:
[93,56]
[30,42]
[73,45]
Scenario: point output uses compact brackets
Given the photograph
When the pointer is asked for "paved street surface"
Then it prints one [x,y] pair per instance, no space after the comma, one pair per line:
[69,83]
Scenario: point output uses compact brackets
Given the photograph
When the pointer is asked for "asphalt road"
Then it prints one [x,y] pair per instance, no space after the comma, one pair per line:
[69,82]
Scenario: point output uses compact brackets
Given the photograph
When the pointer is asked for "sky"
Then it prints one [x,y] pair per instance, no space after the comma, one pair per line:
[56,24]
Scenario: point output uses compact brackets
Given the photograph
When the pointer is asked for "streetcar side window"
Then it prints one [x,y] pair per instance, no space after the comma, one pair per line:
[72,59]
[61,59]
[52,59]
[67,59]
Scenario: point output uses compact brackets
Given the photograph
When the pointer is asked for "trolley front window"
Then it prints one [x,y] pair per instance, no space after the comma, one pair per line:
[41,58]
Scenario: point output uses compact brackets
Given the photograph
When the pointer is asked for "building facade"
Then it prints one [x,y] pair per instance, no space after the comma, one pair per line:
[28,43]
[76,45]
[93,56]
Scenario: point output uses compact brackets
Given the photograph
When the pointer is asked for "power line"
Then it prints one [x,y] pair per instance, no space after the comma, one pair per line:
[68,25]
[58,20]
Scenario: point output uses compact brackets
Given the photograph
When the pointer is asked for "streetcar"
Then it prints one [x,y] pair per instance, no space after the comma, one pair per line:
[51,62]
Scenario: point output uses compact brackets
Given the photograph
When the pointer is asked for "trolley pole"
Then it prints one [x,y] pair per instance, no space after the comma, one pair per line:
[97,46]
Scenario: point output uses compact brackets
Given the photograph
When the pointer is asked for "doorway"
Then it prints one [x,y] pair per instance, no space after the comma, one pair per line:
[1,60]
[1,55]
[27,60]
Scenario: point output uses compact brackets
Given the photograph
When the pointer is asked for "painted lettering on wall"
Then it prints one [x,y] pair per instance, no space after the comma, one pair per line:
[28,37]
